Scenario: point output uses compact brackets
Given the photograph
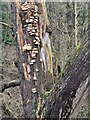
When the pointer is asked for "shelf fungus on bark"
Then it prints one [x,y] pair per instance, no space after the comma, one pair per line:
[29,20]
[36,8]
[25,26]
[32,10]
[29,25]
[41,60]
[33,30]
[36,20]
[33,61]
[34,90]
[27,47]
[25,6]
[34,78]
[34,41]
[33,55]
[34,51]
[31,17]
[29,29]
[37,70]
[31,33]
[36,15]
[25,3]
[37,34]
[37,43]
[37,38]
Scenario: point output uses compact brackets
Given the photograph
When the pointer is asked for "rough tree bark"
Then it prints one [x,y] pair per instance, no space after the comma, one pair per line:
[34,57]
[60,102]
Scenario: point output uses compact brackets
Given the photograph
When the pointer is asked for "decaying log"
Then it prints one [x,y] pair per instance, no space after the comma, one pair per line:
[60,102]
[31,22]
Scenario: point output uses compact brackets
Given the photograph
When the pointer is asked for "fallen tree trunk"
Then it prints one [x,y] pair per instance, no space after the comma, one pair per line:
[60,102]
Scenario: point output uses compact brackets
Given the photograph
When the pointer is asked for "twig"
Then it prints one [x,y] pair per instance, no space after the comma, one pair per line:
[5,24]
[9,85]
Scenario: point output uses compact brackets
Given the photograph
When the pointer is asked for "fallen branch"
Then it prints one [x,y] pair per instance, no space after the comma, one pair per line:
[9,85]
[5,24]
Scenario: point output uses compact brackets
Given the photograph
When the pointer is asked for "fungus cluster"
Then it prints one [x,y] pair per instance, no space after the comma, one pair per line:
[34,90]
[25,6]
[27,47]
[30,23]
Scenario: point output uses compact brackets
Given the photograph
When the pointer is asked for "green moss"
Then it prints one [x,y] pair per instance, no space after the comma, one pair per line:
[61,73]
[78,46]
[47,93]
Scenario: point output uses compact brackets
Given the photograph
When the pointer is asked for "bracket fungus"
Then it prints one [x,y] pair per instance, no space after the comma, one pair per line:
[37,38]
[34,90]
[25,26]
[25,6]
[29,20]
[34,51]
[41,60]
[31,17]
[33,61]
[36,15]
[37,43]
[27,47]
[36,20]
[33,30]
[33,55]
[37,70]
[31,33]
[34,78]
[34,41]
[37,34]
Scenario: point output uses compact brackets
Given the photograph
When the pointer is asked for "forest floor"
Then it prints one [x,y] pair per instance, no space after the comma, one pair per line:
[12,101]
